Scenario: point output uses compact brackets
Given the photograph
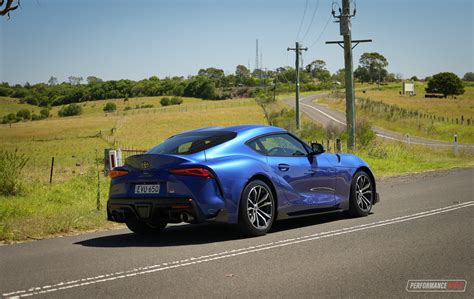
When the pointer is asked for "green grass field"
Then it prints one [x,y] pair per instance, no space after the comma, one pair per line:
[11,105]
[69,204]
[438,130]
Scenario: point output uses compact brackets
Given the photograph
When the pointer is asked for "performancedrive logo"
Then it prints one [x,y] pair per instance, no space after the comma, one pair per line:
[436,285]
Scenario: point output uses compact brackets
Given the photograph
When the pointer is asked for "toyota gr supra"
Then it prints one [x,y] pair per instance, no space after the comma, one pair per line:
[250,175]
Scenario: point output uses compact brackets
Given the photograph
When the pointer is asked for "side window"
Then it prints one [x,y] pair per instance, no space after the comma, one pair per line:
[279,145]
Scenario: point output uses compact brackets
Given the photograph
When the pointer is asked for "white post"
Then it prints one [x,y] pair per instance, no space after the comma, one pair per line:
[112,159]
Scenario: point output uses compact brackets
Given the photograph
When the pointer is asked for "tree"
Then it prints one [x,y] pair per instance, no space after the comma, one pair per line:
[53,81]
[318,70]
[373,65]
[362,74]
[212,73]
[414,78]
[446,83]
[201,87]
[469,76]
[340,76]
[10,5]
[242,73]
[93,79]
[75,80]
[110,107]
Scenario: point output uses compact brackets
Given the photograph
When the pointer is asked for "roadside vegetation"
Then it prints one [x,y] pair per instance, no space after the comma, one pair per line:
[34,208]
[432,118]
[74,121]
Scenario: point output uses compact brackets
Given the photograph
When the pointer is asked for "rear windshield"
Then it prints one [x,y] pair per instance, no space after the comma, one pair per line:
[190,143]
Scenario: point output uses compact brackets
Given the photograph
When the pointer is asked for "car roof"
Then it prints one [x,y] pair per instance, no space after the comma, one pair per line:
[251,128]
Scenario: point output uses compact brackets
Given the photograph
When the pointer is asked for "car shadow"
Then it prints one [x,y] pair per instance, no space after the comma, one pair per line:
[195,234]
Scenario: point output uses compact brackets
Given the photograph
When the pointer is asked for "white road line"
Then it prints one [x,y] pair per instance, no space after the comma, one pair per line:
[226,254]
[382,135]
[324,113]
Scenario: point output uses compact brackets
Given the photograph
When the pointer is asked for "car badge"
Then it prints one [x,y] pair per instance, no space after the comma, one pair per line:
[145,164]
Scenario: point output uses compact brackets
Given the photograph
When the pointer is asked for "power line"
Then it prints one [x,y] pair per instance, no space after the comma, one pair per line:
[312,20]
[302,19]
[322,32]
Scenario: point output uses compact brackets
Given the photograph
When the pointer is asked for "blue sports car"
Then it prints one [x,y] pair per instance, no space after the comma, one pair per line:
[250,175]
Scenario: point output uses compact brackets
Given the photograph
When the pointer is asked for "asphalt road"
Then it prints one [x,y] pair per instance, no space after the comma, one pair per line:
[422,229]
[327,116]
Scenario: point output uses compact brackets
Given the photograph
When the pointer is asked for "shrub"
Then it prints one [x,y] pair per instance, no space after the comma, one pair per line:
[446,83]
[70,110]
[11,167]
[176,101]
[10,118]
[110,107]
[35,116]
[165,101]
[23,114]
[364,134]
[127,108]
[44,113]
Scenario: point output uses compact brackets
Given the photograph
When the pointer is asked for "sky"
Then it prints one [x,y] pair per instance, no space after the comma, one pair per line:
[118,39]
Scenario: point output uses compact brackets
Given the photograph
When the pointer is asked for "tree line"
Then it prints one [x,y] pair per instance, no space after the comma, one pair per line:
[210,83]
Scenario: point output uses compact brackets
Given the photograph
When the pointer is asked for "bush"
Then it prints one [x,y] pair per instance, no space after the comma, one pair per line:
[127,108]
[5,91]
[110,107]
[23,114]
[70,110]
[364,134]
[165,101]
[10,118]
[176,101]
[446,83]
[35,116]
[11,167]
[44,113]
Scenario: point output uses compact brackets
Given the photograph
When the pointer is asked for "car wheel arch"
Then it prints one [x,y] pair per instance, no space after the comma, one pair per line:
[266,180]
[369,173]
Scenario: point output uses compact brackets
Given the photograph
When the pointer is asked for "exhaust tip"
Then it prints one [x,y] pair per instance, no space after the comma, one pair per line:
[186,217]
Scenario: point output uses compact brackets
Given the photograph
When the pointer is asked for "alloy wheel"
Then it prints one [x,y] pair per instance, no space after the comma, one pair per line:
[364,193]
[260,207]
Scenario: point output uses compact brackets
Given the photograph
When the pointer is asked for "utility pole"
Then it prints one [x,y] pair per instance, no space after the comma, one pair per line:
[297,50]
[256,54]
[345,30]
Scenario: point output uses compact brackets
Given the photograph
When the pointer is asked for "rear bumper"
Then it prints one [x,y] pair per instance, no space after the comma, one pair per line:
[150,209]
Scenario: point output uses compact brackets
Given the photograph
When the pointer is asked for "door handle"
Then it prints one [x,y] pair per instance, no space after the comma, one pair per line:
[284,167]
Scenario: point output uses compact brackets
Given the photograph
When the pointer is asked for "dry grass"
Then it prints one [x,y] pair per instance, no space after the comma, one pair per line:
[449,107]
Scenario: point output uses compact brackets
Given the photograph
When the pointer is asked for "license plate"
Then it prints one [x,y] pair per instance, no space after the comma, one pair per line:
[147,189]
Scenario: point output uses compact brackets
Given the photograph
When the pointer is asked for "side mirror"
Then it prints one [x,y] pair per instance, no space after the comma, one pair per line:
[317,148]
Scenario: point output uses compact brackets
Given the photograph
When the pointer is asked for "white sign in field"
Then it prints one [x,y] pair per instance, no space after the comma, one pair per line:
[408,88]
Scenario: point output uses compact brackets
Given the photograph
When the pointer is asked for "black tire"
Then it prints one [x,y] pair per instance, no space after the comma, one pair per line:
[143,228]
[253,220]
[360,205]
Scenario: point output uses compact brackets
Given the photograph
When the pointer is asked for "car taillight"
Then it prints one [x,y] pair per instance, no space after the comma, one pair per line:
[117,172]
[195,171]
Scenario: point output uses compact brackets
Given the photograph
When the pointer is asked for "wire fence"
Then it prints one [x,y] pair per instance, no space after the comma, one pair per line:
[191,107]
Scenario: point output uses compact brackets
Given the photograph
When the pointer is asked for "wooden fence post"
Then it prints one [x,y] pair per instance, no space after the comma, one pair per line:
[51,173]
